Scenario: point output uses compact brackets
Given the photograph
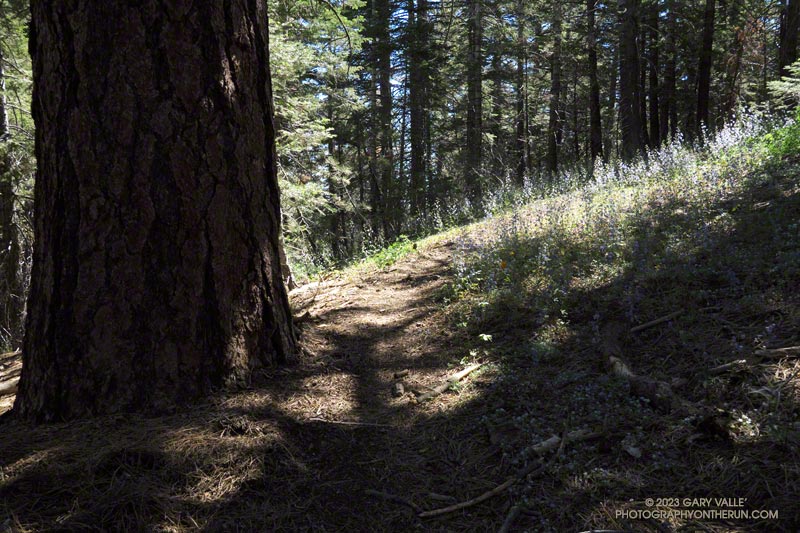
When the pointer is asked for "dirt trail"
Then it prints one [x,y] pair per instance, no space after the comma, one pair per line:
[366,328]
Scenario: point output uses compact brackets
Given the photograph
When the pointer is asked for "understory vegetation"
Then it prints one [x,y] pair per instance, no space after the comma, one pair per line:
[707,238]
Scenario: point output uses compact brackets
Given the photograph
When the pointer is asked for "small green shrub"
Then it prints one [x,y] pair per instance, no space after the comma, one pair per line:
[391,254]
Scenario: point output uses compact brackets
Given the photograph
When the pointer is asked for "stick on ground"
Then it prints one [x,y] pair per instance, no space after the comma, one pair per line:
[393,498]
[532,470]
[349,423]
[455,378]
[779,353]
[657,321]
[509,521]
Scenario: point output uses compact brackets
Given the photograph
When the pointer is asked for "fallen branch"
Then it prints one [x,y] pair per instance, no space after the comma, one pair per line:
[401,374]
[534,469]
[393,498]
[659,393]
[474,501]
[773,353]
[779,353]
[721,369]
[657,321]
[509,521]
[9,387]
[554,442]
[455,378]
[350,423]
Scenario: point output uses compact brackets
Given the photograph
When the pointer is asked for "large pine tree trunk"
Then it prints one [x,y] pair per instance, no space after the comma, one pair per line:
[156,273]
[630,117]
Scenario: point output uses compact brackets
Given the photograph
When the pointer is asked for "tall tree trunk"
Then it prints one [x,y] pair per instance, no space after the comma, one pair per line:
[629,110]
[790,23]
[532,133]
[735,65]
[373,144]
[655,89]
[611,133]
[156,271]
[10,283]
[668,120]
[498,105]
[595,124]
[474,147]
[555,127]
[641,88]
[576,143]
[521,93]
[386,161]
[418,96]
[704,67]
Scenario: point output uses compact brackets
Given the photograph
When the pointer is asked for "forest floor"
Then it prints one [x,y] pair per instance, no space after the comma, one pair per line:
[332,444]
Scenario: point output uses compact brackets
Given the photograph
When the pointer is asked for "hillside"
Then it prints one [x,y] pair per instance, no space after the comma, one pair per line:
[651,318]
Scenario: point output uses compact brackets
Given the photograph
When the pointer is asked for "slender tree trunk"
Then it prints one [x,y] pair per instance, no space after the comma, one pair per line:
[401,145]
[418,95]
[533,134]
[655,89]
[704,67]
[474,147]
[576,143]
[733,74]
[554,127]
[372,144]
[156,271]
[790,23]
[496,124]
[10,284]
[386,161]
[611,135]
[629,110]
[641,88]
[595,124]
[668,119]
[521,93]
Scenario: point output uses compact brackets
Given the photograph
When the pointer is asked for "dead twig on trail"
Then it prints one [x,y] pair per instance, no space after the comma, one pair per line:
[455,378]
[657,321]
[350,423]
[771,354]
[534,469]
[778,353]
[393,498]
[721,369]
[510,518]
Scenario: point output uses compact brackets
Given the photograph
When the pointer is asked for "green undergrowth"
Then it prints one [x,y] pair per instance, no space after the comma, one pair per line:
[711,235]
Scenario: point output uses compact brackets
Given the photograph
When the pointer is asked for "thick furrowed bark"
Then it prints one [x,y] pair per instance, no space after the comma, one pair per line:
[156,269]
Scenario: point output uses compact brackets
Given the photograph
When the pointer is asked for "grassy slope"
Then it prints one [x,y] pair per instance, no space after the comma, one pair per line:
[715,235]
